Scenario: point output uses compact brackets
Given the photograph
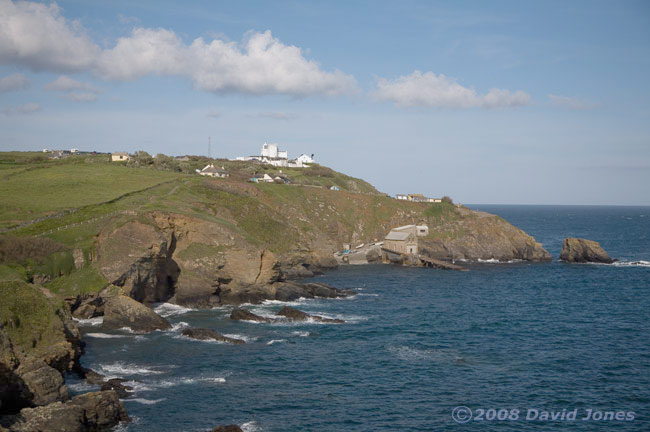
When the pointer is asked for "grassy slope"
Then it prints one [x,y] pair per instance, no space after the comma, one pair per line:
[276,216]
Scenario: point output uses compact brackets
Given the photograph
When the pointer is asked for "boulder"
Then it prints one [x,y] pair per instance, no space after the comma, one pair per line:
[123,391]
[228,428]
[583,251]
[45,383]
[84,413]
[209,334]
[86,306]
[296,315]
[244,315]
[121,311]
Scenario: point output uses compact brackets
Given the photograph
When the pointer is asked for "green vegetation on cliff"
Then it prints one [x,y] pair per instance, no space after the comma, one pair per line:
[66,204]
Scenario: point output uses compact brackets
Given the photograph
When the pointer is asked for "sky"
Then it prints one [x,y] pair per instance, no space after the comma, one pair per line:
[499,102]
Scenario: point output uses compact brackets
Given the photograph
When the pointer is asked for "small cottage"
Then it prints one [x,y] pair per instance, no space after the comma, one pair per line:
[120,157]
[211,171]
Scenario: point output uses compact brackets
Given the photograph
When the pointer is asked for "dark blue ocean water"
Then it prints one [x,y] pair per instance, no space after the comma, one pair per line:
[418,343]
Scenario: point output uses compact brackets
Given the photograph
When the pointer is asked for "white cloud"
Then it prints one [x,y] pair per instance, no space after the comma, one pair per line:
[66,84]
[571,103]
[35,35]
[13,82]
[73,90]
[39,37]
[261,65]
[27,108]
[276,115]
[431,90]
[76,96]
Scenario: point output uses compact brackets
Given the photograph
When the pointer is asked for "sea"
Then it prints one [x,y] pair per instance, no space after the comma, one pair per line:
[512,346]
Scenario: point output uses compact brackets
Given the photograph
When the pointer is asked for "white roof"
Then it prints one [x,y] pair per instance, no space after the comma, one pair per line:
[397,235]
[403,227]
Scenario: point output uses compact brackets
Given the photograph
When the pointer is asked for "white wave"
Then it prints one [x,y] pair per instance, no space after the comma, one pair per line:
[297,302]
[83,386]
[90,321]
[251,426]
[179,326]
[368,295]
[240,337]
[145,401]
[639,263]
[137,386]
[169,309]
[496,261]
[189,381]
[121,369]
[125,329]
[105,335]
[274,341]
[301,333]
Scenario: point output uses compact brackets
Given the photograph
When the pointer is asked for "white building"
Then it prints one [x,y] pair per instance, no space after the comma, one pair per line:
[272,151]
[272,155]
[120,156]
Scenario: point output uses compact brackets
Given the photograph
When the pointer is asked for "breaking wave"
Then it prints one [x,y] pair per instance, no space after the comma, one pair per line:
[121,369]
[105,335]
[90,321]
[274,341]
[639,263]
[169,309]
[145,401]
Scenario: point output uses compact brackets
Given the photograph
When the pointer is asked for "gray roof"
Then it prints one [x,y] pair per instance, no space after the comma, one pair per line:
[398,235]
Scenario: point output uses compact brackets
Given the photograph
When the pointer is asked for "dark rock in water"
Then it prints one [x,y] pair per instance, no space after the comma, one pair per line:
[209,334]
[582,251]
[228,428]
[91,376]
[122,390]
[296,315]
[121,311]
[88,412]
[244,315]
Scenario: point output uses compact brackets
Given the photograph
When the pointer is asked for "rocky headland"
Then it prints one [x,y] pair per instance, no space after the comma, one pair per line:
[198,243]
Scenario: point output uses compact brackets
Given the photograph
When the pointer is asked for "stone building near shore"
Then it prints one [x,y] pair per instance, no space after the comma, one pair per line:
[403,242]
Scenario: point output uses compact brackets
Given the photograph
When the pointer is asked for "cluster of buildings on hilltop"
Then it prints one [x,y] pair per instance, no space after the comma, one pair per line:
[417,198]
[272,155]
[62,154]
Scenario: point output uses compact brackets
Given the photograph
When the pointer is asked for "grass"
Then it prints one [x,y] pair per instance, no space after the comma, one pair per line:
[31,194]
[87,280]
[29,317]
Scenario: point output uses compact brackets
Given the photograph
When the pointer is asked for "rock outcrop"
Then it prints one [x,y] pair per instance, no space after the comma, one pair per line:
[473,235]
[38,343]
[296,315]
[84,413]
[238,314]
[209,334]
[228,428]
[138,257]
[122,311]
[583,251]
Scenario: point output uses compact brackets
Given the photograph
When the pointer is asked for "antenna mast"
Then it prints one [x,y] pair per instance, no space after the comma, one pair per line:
[209,148]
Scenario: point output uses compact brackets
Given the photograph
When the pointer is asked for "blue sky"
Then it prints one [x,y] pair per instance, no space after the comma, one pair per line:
[487,102]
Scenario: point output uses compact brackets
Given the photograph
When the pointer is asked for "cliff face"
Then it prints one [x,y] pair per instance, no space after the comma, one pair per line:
[244,242]
[479,235]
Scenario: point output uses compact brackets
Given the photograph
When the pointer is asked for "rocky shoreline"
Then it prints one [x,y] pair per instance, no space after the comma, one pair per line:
[157,258]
